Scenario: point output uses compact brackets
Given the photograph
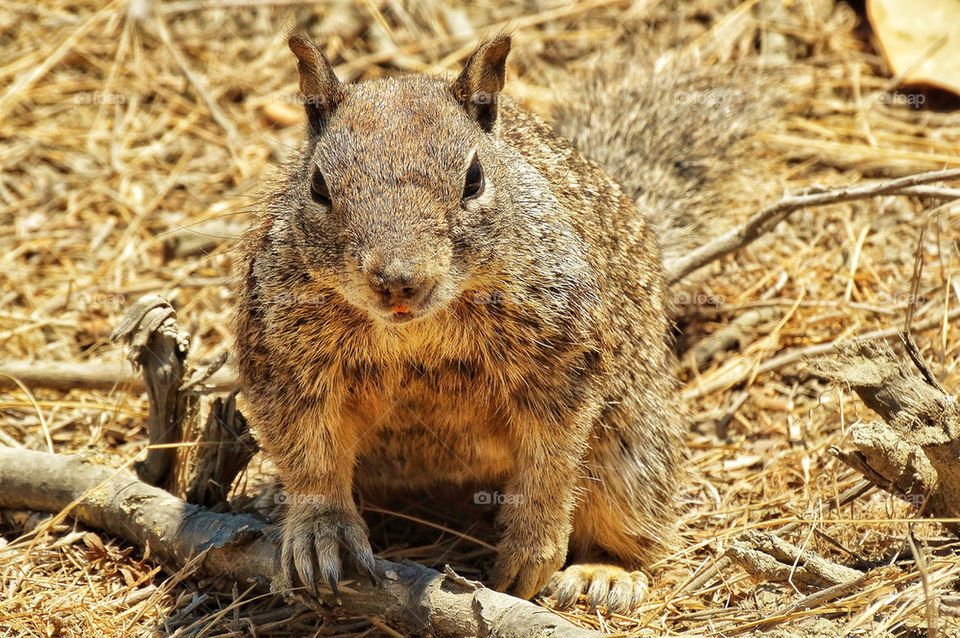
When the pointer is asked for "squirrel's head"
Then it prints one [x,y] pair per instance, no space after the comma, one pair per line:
[391,201]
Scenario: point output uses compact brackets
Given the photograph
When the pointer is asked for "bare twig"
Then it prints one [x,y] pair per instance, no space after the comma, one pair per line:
[729,335]
[907,335]
[771,558]
[920,559]
[766,218]
[824,595]
[722,563]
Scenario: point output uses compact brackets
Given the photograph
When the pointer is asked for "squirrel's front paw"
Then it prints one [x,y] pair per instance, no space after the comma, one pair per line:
[310,550]
[524,571]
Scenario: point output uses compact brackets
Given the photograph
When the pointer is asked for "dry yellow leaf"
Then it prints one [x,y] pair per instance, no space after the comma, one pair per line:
[920,39]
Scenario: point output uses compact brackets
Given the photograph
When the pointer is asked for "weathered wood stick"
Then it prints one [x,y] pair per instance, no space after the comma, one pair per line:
[158,347]
[68,375]
[409,596]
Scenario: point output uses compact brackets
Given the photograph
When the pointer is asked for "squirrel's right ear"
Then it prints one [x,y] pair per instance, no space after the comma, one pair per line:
[321,89]
[478,86]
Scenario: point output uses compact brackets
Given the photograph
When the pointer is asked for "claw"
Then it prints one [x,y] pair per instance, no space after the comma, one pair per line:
[365,561]
[286,570]
[304,560]
[527,584]
[335,589]
[504,573]
[597,593]
[619,598]
[639,589]
[567,593]
[355,541]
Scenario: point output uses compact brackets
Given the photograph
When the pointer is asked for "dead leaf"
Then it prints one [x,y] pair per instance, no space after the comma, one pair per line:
[920,40]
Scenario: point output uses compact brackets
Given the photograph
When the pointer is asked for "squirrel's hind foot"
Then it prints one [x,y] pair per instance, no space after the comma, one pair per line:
[612,587]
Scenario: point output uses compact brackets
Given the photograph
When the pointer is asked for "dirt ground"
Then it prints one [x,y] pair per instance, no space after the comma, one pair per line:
[134,137]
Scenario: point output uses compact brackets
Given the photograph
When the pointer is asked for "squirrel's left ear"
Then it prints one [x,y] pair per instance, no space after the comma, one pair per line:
[322,92]
[478,86]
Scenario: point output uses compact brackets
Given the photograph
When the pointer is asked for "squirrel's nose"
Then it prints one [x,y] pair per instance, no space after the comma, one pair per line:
[398,288]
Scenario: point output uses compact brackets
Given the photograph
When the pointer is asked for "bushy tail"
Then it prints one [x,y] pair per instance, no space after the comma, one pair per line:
[679,138]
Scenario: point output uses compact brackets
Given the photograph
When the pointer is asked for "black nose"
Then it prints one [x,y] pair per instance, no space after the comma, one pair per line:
[397,287]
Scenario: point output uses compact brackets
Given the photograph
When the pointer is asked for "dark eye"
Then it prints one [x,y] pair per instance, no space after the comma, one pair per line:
[318,188]
[473,185]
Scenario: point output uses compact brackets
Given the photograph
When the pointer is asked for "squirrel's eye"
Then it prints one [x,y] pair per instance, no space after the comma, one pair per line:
[473,185]
[318,188]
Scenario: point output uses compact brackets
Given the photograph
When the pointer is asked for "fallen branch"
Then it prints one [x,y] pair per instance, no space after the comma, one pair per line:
[60,375]
[723,562]
[67,375]
[750,370]
[239,546]
[158,347]
[773,559]
[768,217]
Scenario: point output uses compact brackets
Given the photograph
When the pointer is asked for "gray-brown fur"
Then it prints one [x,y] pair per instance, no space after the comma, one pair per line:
[404,335]
[677,135]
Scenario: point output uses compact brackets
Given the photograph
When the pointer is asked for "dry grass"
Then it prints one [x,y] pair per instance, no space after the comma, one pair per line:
[121,124]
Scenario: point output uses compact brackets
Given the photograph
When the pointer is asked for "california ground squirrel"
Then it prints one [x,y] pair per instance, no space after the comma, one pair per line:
[443,289]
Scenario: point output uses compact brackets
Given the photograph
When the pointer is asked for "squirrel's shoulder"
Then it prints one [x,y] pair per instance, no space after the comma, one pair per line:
[596,201]
[534,138]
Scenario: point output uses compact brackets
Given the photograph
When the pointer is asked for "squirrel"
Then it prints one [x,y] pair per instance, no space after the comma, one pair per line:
[441,289]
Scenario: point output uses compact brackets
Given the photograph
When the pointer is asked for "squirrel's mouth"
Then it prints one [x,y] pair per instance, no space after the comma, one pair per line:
[401,317]
[403,312]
